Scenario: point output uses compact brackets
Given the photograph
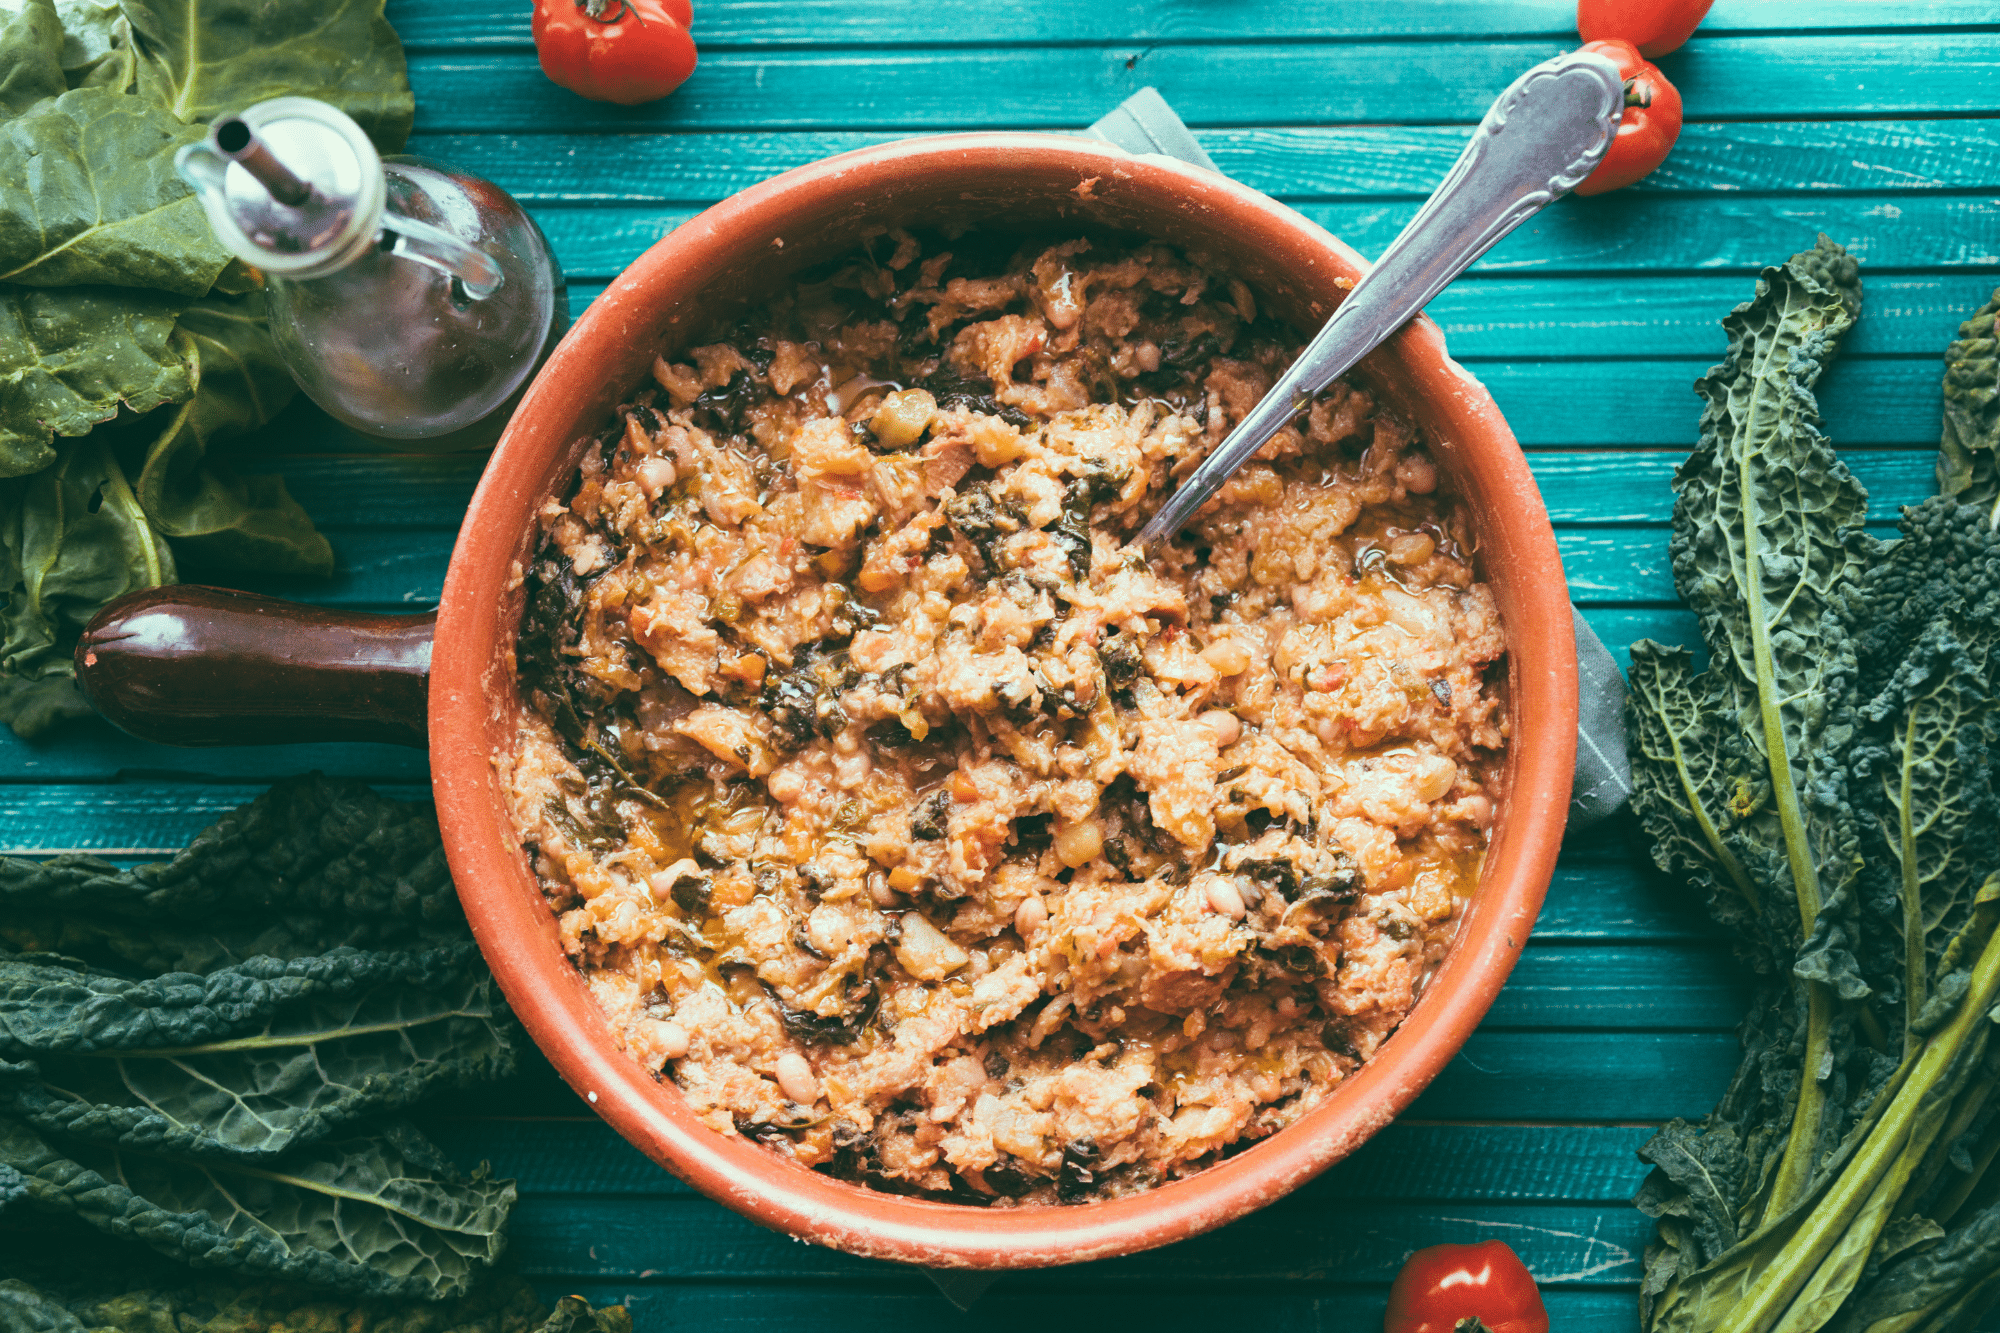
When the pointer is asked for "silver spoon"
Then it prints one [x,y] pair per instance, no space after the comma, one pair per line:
[1541,137]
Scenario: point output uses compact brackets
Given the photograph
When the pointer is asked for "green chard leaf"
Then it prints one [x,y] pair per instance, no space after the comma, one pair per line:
[107,207]
[1968,467]
[91,38]
[31,705]
[239,385]
[72,357]
[312,865]
[200,58]
[72,537]
[374,1216]
[31,42]
[250,1061]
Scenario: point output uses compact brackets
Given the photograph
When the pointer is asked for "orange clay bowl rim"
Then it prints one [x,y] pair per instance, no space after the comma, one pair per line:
[604,357]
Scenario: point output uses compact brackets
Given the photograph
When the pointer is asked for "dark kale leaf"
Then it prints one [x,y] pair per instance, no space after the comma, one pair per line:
[552,623]
[1076,1180]
[842,1029]
[46,1286]
[951,390]
[721,410]
[313,864]
[376,1216]
[932,817]
[984,520]
[252,1059]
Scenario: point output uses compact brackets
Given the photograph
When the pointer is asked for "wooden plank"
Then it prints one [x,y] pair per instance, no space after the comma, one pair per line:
[1489,317]
[381,490]
[1407,1162]
[1216,84]
[1611,234]
[1017,1302]
[126,817]
[719,24]
[391,569]
[1301,162]
[1865,402]
[1690,985]
[614,1238]
[1500,318]
[1618,627]
[1605,888]
[1635,485]
[92,750]
[1647,1076]
[1622,987]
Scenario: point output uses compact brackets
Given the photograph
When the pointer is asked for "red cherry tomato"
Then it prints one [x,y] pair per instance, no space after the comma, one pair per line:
[1651,123]
[1440,1286]
[624,51]
[1654,26]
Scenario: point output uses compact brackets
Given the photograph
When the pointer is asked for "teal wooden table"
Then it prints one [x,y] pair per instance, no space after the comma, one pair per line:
[1875,121]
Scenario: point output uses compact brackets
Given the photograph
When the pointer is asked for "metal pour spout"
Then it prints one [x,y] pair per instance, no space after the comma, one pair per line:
[232,138]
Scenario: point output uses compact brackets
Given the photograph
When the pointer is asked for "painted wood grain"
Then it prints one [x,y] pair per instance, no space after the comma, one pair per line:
[1488,317]
[1657,986]
[1300,162]
[1644,1076]
[684,1238]
[1809,76]
[759,23]
[101,817]
[92,750]
[1015,1303]
[1407,1162]
[1622,235]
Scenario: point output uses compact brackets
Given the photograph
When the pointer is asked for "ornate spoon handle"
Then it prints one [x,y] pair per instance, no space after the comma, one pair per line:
[1543,135]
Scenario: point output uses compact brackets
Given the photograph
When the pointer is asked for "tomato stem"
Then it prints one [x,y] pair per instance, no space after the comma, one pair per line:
[601,11]
[1638,92]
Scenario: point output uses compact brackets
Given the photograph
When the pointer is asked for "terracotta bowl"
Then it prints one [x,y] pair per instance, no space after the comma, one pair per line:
[152,664]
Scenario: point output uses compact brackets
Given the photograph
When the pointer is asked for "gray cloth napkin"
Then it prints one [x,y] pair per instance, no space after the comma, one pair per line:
[1144,123]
